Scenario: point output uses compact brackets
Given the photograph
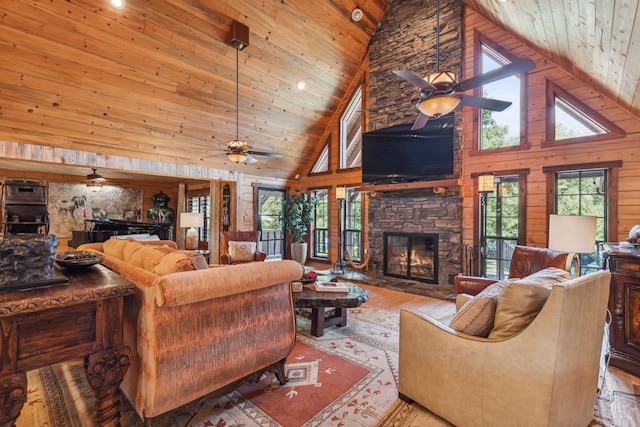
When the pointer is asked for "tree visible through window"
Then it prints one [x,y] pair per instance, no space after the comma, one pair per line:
[499,128]
[353,225]
[320,235]
[201,203]
[500,218]
[269,221]
[573,123]
[584,192]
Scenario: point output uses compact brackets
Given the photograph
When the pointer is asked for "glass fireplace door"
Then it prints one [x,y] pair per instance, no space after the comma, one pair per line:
[411,256]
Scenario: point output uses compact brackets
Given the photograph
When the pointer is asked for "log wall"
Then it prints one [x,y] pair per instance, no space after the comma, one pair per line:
[545,154]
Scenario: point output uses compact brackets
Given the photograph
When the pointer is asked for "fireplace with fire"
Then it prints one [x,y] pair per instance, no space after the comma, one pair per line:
[411,256]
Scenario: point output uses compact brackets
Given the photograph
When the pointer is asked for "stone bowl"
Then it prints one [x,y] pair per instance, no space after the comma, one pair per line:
[78,259]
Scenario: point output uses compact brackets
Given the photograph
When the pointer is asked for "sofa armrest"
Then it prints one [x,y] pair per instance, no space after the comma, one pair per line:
[200,285]
[471,285]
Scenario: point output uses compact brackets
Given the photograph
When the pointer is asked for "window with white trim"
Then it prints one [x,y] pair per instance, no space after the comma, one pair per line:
[351,133]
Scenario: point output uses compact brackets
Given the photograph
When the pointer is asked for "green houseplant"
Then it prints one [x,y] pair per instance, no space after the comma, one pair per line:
[297,215]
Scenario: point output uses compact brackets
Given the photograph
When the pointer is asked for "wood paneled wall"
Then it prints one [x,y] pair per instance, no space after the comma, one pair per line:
[539,155]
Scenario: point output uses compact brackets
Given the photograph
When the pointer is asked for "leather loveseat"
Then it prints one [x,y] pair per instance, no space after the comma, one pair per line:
[194,330]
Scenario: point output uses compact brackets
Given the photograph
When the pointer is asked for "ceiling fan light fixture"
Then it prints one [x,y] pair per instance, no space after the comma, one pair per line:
[95,181]
[94,186]
[442,79]
[237,157]
[437,106]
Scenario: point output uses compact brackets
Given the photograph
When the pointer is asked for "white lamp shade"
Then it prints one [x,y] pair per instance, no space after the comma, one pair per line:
[191,219]
[572,233]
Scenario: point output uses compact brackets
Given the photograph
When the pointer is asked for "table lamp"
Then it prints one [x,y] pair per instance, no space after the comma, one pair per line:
[572,233]
[191,220]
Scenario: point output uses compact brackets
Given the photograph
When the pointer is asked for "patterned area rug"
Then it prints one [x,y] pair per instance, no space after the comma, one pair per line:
[347,377]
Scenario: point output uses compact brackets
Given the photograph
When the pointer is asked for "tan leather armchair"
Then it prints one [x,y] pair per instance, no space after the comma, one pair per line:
[525,261]
[239,236]
[545,375]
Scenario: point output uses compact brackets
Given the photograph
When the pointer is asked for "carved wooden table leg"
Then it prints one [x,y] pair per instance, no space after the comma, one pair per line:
[105,371]
[13,395]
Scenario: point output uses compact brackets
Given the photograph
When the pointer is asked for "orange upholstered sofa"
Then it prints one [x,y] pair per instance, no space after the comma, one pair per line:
[195,330]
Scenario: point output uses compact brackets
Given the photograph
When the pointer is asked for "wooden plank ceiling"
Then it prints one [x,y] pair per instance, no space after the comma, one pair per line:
[157,80]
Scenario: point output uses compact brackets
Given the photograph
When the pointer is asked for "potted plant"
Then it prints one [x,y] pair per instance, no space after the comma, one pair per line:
[297,215]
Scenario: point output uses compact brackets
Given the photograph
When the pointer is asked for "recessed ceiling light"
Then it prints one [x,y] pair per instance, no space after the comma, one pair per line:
[356,14]
[301,85]
[117,4]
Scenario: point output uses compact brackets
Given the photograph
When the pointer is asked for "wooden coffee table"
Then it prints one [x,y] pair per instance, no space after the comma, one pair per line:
[318,301]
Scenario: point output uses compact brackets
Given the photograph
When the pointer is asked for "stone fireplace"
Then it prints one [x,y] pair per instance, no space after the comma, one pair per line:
[434,224]
[411,256]
[406,40]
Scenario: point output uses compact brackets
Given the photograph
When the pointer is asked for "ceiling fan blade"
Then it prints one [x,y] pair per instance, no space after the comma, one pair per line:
[484,103]
[413,78]
[420,122]
[517,67]
[250,159]
[262,153]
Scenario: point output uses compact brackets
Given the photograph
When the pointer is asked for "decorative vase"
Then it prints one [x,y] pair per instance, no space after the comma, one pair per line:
[299,252]
[161,213]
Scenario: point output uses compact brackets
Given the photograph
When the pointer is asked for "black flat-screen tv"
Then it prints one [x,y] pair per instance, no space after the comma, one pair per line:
[398,154]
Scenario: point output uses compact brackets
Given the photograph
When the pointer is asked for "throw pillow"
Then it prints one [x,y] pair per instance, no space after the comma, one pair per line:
[178,261]
[521,301]
[476,316]
[242,251]
[129,249]
[115,248]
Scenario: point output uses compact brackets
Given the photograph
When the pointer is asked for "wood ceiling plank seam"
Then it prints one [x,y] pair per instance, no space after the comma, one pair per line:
[587,38]
[563,20]
[629,87]
[620,38]
[603,34]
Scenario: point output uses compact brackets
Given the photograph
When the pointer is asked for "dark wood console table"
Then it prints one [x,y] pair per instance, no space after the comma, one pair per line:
[44,326]
[318,301]
[624,305]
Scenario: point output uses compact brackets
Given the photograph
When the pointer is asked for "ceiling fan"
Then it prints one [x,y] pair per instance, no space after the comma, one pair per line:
[440,91]
[238,151]
[95,181]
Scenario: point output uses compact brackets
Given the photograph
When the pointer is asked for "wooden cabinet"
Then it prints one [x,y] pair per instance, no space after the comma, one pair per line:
[624,305]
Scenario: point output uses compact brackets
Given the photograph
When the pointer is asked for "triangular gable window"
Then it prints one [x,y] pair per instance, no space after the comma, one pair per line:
[569,120]
[322,163]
